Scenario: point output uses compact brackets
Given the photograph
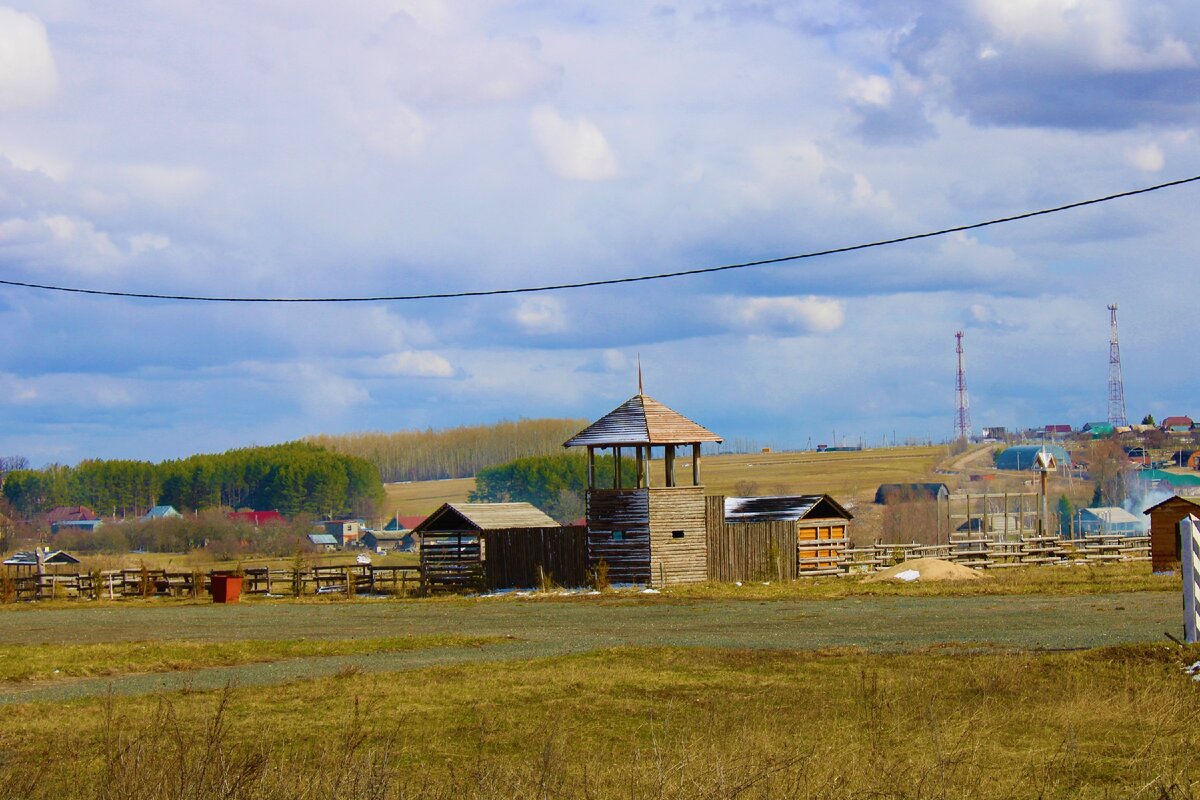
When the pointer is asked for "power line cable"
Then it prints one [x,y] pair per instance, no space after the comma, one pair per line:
[607,281]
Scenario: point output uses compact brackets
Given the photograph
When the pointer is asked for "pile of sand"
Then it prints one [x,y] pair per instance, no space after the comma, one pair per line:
[927,569]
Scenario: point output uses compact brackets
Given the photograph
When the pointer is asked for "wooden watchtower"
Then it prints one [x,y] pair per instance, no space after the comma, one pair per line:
[644,533]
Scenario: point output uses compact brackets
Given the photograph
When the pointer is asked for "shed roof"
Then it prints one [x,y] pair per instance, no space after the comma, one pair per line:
[25,559]
[902,492]
[1172,478]
[403,522]
[484,516]
[1111,515]
[69,514]
[642,420]
[1024,456]
[322,538]
[162,512]
[783,508]
[1173,501]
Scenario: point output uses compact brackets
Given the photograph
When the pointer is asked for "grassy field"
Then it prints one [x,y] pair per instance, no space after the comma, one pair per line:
[646,722]
[1038,682]
[852,476]
[45,662]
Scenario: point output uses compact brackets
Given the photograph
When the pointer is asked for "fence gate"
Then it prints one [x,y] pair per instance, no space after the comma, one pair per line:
[1189,553]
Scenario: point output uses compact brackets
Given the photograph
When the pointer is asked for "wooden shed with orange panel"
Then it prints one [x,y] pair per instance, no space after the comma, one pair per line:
[821,526]
[1164,531]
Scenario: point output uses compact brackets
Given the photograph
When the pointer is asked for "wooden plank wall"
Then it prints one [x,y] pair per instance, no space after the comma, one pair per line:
[626,511]
[760,551]
[451,561]
[518,558]
[1164,534]
[675,559]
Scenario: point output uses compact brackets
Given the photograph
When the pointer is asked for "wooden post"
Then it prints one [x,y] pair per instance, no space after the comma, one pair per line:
[617,468]
[1006,517]
[591,470]
[641,467]
[695,463]
[649,461]
[669,458]
[1189,552]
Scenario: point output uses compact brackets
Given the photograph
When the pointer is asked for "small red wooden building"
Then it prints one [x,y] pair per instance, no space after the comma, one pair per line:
[1164,531]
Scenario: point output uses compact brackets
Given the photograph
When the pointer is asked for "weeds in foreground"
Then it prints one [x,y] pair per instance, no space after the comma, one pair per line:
[672,724]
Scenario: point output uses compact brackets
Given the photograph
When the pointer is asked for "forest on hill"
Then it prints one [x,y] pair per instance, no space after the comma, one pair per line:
[554,483]
[293,478]
[424,455]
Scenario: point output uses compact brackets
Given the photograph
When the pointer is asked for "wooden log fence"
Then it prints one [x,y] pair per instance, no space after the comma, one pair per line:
[137,583]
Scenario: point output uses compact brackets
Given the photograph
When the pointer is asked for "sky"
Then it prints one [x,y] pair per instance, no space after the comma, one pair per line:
[295,148]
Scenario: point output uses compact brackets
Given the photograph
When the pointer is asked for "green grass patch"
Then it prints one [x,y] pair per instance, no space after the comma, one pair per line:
[647,722]
[37,662]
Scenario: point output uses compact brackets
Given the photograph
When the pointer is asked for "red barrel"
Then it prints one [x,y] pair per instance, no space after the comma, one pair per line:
[226,588]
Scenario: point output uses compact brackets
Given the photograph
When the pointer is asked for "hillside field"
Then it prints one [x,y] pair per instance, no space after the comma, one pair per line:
[849,477]
[1071,691]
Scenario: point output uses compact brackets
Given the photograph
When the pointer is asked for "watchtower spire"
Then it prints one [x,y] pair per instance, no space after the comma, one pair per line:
[639,360]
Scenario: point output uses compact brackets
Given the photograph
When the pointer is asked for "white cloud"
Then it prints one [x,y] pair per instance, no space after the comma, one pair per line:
[1100,32]
[166,183]
[399,132]
[575,149]
[147,243]
[1148,157]
[62,242]
[541,315]
[412,364]
[788,315]
[28,76]
[874,90]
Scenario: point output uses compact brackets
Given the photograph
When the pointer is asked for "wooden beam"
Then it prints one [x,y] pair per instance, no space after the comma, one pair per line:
[616,467]
[591,471]
[696,464]
[670,464]
[641,471]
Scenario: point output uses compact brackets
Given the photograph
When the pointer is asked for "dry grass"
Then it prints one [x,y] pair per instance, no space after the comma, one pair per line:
[667,723]
[1029,580]
[853,475]
[40,662]
[424,497]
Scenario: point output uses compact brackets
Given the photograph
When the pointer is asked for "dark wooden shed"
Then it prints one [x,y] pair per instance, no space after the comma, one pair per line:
[1164,531]
[452,539]
[644,533]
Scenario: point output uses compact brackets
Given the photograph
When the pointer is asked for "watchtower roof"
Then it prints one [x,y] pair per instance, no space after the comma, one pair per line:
[642,420]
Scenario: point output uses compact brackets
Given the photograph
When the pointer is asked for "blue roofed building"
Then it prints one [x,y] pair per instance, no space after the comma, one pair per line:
[161,512]
[1024,456]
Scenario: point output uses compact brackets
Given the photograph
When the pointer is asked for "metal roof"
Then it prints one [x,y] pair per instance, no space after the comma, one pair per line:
[322,538]
[783,508]
[642,420]
[1111,515]
[485,516]
[25,559]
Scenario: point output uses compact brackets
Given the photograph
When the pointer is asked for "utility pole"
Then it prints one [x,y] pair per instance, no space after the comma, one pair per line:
[1116,383]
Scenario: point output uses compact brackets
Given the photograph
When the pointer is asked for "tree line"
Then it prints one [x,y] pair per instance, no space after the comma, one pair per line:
[555,484]
[422,455]
[293,478]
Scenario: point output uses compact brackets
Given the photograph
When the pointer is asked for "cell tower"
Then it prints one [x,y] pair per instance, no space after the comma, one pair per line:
[962,417]
[1116,384]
